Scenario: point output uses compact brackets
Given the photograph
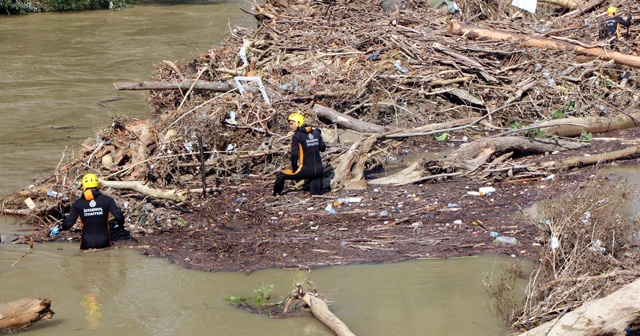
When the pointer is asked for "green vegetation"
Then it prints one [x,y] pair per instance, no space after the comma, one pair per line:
[263,292]
[568,108]
[263,295]
[10,7]
[586,137]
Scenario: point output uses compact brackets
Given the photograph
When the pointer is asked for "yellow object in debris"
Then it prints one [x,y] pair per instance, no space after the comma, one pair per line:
[560,87]
[611,11]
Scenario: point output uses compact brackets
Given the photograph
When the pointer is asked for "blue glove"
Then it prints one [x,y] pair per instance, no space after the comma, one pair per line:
[54,230]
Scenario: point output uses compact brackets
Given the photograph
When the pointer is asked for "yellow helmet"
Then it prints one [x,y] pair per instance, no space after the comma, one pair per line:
[611,11]
[89,181]
[297,117]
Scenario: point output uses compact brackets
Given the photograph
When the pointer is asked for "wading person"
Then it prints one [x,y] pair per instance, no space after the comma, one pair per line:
[94,210]
[306,164]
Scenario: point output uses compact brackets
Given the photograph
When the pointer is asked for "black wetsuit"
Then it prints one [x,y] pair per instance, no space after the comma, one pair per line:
[611,25]
[94,209]
[306,164]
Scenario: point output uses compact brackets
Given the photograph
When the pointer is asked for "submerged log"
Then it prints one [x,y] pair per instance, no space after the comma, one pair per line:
[543,43]
[24,313]
[321,311]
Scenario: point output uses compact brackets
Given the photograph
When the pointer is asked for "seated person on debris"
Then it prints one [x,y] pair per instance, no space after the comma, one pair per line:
[94,209]
[611,25]
[306,164]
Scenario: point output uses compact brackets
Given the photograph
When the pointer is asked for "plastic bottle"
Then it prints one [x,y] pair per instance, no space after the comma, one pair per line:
[494,234]
[506,240]
[53,194]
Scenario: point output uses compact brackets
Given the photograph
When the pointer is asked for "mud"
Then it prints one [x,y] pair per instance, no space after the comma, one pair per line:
[243,228]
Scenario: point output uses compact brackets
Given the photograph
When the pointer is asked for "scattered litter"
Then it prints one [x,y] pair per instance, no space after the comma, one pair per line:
[349,199]
[330,209]
[401,68]
[555,243]
[494,234]
[506,240]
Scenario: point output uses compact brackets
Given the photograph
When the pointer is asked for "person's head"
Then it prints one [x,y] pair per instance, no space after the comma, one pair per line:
[295,120]
[90,181]
[611,11]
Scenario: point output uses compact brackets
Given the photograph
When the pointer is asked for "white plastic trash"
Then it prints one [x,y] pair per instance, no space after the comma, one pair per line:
[486,190]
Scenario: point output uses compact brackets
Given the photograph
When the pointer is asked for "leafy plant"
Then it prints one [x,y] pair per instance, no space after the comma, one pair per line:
[263,292]
[515,125]
[442,137]
[586,137]
[558,114]
[535,133]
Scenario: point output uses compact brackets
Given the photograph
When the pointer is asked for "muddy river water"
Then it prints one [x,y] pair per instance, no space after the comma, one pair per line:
[56,89]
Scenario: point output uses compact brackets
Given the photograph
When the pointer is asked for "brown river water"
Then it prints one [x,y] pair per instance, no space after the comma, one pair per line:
[56,89]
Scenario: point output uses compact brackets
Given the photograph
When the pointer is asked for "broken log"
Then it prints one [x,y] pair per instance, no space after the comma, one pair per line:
[457,28]
[24,313]
[569,127]
[349,166]
[321,311]
[562,3]
[578,161]
[609,315]
[183,85]
[469,159]
[346,121]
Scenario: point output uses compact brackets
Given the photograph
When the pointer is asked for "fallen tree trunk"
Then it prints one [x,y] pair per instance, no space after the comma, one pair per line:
[543,43]
[593,159]
[570,127]
[183,85]
[346,121]
[24,313]
[606,316]
[321,311]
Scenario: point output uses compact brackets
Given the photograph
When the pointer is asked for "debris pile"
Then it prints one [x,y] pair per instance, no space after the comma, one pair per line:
[403,76]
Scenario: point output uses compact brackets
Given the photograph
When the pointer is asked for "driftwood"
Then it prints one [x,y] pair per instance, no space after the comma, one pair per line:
[24,313]
[469,159]
[593,159]
[543,43]
[606,316]
[575,126]
[349,167]
[346,121]
[183,85]
[562,3]
[319,309]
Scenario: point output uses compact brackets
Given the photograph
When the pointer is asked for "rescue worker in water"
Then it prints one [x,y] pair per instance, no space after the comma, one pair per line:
[306,164]
[94,209]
